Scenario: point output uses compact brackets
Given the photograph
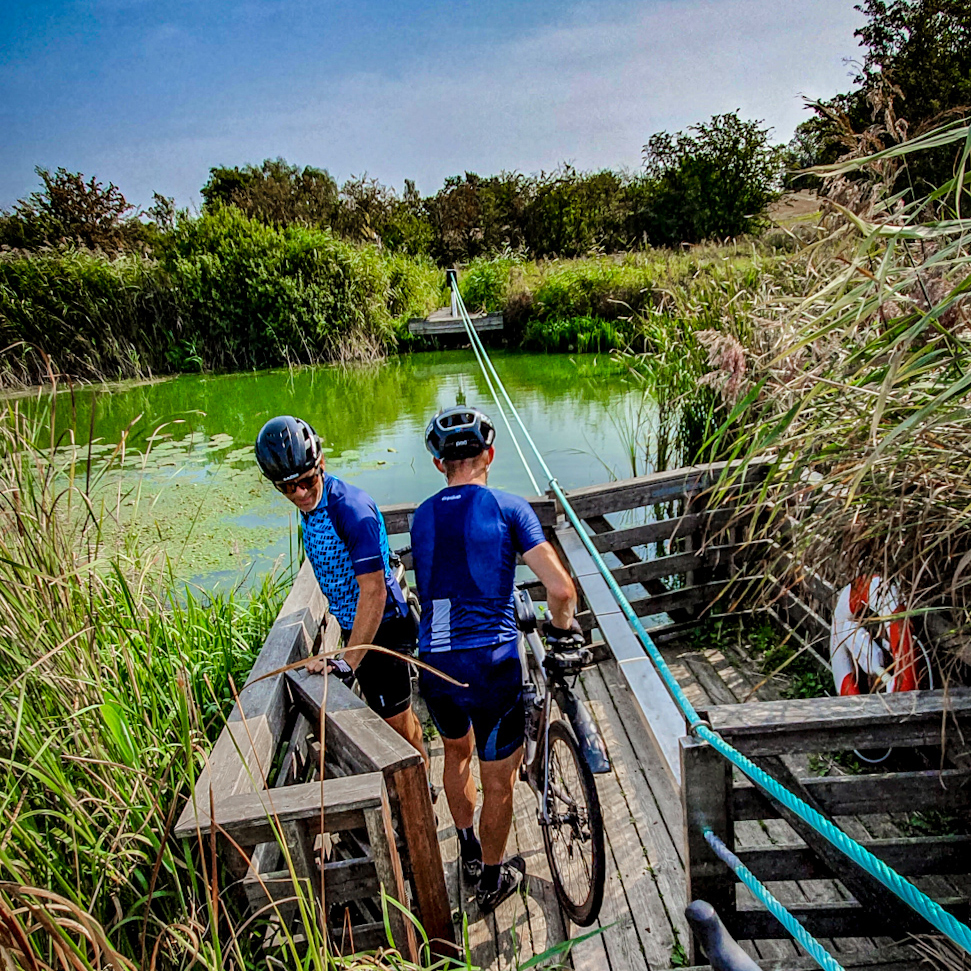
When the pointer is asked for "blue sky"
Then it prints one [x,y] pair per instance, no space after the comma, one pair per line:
[149,94]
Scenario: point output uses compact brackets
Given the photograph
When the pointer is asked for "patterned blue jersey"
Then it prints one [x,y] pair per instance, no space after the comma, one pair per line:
[464,541]
[344,537]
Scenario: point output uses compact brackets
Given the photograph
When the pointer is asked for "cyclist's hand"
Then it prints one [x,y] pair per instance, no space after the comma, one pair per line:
[339,667]
[562,639]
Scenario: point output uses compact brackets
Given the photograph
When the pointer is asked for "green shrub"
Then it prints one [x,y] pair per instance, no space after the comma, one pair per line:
[485,284]
[257,296]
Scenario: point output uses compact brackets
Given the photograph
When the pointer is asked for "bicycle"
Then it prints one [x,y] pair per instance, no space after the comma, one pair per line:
[561,758]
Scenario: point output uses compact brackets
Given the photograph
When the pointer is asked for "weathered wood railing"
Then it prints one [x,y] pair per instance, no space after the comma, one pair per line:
[674,555]
[768,731]
[274,818]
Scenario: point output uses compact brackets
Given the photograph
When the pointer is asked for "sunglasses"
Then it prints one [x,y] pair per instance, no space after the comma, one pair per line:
[305,482]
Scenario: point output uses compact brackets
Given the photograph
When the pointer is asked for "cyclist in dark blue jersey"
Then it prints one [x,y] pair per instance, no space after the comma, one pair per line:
[465,541]
[346,542]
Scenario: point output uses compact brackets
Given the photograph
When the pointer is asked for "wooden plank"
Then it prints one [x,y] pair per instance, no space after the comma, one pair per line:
[661,718]
[298,835]
[839,919]
[244,750]
[361,741]
[899,958]
[358,740]
[433,326]
[911,857]
[650,873]
[647,490]
[537,921]
[655,796]
[250,817]
[657,532]
[871,894]
[397,516]
[587,575]
[682,598]
[680,563]
[708,678]
[830,724]
[947,791]
[312,693]
[344,881]
[705,795]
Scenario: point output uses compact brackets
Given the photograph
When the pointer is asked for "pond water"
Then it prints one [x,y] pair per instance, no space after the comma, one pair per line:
[188,484]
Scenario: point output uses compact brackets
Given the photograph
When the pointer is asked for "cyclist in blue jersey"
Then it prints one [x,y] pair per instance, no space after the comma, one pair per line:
[465,540]
[346,542]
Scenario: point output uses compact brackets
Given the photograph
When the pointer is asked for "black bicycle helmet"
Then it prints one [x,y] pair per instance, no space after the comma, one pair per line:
[286,448]
[459,433]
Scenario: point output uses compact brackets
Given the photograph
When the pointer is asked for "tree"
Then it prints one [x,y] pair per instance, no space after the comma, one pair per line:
[715,180]
[916,71]
[72,209]
[276,193]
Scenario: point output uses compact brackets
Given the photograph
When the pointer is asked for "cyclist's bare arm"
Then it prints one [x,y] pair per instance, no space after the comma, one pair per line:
[560,593]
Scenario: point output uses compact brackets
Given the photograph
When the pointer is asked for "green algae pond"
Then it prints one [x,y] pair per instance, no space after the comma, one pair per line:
[185,482]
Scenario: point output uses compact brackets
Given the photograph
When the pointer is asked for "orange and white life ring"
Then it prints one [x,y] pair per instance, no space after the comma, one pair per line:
[884,653]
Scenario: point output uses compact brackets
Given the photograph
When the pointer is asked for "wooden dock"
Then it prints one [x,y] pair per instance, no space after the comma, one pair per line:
[354,809]
[445,321]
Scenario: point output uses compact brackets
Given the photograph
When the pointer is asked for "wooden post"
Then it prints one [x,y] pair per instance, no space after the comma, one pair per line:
[706,787]
[384,851]
[421,837]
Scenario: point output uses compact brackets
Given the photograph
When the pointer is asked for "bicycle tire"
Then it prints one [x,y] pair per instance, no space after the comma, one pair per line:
[576,824]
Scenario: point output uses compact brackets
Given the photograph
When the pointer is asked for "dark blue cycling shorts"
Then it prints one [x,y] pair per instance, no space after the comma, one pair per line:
[491,705]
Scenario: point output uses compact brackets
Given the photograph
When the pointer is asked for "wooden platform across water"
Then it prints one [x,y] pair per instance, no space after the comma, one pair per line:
[443,321]
[352,806]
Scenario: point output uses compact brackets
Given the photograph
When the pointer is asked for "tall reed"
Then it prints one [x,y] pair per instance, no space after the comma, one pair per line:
[857,388]
[113,687]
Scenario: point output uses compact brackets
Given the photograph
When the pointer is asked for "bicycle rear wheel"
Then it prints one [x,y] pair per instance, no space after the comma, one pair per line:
[574,837]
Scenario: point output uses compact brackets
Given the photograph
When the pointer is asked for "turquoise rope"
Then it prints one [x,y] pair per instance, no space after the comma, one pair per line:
[931,911]
[805,940]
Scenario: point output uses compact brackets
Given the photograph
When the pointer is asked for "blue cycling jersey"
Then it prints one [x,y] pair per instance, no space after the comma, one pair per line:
[344,537]
[464,541]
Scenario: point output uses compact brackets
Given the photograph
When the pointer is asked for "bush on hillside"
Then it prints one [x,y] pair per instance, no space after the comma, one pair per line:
[714,181]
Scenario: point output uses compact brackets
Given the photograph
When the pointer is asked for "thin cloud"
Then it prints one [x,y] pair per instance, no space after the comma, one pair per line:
[590,91]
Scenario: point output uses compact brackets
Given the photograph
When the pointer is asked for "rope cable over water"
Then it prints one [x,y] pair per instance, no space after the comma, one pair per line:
[929,909]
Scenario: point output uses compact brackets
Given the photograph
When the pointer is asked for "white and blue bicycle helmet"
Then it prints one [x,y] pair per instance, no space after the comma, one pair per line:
[459,433]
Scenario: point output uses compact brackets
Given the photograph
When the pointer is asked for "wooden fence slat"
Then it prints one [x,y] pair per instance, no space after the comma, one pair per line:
[344,881]
[680,563]
[911,857]
[852,795]
[705,802]
[358,740]
[829,724]
[710,523]
[845,919]
[384,852]
[250,817]
[244,750]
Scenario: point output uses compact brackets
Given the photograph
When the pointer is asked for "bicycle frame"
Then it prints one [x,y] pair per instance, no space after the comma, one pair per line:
[552,687]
